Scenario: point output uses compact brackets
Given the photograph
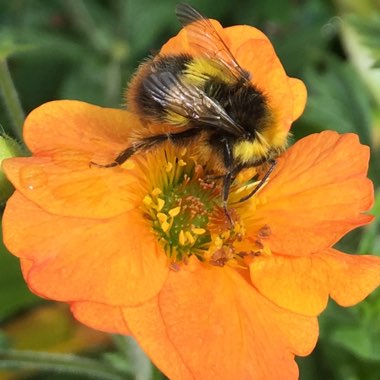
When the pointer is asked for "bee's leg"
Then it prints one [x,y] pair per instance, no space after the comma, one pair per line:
[262,181]
[145,144]
[120,159]
[229,177]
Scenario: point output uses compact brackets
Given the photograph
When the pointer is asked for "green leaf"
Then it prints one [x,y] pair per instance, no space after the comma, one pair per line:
[368,28]
[338,100]
[360,37]
[14,295]
[362,342]
[60,363]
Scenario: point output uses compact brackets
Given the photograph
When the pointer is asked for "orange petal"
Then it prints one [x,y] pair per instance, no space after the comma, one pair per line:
[179,44]
[176,45]
[240,34]
[233,37]
[213,323]
[114,261]
[299,93]
[74,125]
[351,277]
[303,284]
[268,75]
[100,317]
[317,193]
[299,284]
[65,184]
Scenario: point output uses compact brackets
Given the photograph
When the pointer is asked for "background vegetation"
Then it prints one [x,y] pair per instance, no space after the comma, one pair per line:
[87,50]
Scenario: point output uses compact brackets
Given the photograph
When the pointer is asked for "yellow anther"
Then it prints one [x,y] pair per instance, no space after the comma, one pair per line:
[160,204]
[183,151]
[198,231]
[165,226]
[174,211]
[147,200]
[169,167]
[182,238]
[237,228]
[162,217]
[218,242]
[156,191]
[190,237]
[225,235]
[182,163]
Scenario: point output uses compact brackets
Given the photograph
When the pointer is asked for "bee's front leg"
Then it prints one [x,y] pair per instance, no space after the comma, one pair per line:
[232,171]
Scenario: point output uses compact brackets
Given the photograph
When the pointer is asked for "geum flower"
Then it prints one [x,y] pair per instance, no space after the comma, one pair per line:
[145,248]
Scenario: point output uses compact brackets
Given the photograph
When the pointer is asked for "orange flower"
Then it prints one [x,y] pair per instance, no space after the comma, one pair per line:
[145,248]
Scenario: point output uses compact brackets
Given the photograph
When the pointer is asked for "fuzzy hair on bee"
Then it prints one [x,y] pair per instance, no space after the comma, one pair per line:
[207,98]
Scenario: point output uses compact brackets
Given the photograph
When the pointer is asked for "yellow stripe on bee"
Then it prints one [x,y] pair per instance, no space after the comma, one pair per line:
[174,118]
[200,69]
[249,151]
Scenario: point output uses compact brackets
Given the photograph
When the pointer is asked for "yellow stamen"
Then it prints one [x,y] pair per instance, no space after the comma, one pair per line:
[218,242]
[165,226]
[174,211]
[198,231]
[156,191]
[160,204]
[190,237]
[169,167]
[182,238]
[182,163]
[225,235]
[147,200]
[162,217]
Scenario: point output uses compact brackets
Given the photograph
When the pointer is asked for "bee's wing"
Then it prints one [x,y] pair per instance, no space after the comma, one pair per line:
[204,37]
[187,100]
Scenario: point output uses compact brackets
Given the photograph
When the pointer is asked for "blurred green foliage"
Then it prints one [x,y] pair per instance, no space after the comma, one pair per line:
[88,50]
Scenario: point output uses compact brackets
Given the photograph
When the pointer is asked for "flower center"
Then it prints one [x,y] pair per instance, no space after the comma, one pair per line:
[183,205]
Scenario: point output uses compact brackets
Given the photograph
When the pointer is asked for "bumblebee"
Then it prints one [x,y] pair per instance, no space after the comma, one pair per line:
[208,99]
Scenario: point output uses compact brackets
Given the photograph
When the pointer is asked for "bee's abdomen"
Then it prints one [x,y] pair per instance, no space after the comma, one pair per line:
[139,98]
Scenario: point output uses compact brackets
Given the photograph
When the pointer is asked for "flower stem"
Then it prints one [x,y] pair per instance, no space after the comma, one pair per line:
[29,360]
[11,100]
